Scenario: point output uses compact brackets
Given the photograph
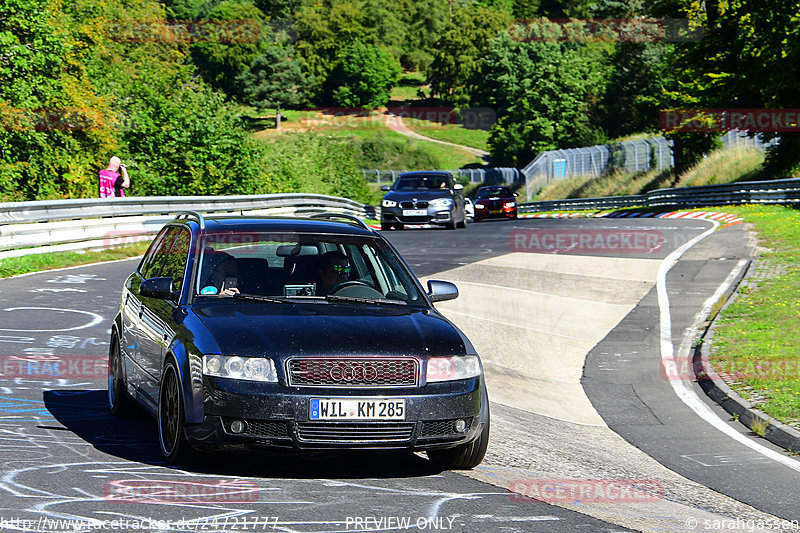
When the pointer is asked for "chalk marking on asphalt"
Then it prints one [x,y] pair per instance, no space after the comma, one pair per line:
[684,392]
[96,319]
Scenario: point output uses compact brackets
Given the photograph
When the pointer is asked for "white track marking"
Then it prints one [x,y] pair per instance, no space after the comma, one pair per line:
[681,388]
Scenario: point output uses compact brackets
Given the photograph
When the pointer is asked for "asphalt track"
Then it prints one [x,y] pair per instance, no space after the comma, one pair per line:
[64,457]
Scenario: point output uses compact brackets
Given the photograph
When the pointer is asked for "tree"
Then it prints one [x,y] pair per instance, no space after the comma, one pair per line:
[363,77]
[275,79]
[748,57]
[456,69]
[543,94]
[222,62]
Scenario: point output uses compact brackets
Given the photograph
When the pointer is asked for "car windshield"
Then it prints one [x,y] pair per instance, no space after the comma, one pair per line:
[297,266]
[497,191]
[418,183]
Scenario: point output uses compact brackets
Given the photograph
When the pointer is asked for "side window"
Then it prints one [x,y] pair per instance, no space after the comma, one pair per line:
[153,268]
[146,267]
[175,261]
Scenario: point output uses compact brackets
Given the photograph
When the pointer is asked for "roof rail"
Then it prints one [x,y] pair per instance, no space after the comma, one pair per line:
[192,214]
[351,218]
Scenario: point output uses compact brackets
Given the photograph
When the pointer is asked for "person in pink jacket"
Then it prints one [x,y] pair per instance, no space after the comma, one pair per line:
[112,182]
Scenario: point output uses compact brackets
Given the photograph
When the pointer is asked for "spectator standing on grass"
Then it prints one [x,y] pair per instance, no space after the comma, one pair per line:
[112,182]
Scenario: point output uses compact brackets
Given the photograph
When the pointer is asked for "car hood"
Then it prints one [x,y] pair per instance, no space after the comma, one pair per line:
[288,329]
[424,195]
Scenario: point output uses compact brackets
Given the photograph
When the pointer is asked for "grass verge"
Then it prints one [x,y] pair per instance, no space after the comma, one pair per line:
[756,346]
[14,266]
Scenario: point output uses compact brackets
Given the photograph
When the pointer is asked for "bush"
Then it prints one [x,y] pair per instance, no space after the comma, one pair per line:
[363,76]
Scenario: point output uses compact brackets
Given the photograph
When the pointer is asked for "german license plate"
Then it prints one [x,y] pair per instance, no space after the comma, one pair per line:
[495,211]
[415,212]
[357,409]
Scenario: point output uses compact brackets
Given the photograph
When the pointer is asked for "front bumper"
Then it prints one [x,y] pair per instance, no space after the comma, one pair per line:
[495,212]
[394,215]
[277,417]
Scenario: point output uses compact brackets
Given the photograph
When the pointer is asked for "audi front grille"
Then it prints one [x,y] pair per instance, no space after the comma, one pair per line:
[353,372]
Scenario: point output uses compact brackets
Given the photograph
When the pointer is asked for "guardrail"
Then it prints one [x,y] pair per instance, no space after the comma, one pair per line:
[755,192]
[81,224]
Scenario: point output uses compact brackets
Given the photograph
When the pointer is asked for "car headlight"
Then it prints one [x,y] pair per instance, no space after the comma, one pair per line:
[453,368]
[235,367]
[509,205]
[440,203]
[388,203]
[480,206]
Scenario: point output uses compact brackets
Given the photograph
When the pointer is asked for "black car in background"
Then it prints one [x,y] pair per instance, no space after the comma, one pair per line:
[297,335]
[423,197]
[495,202]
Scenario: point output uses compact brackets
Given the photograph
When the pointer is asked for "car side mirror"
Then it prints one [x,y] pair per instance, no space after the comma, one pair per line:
[440,291]
[458,187]
[386,187]
[516,194]
[160,288]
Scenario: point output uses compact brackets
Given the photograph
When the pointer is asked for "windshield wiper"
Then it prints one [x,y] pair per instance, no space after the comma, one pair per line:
[335,298]
[258,298]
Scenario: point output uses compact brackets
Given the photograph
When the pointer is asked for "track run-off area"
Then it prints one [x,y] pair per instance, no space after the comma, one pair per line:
[584,327]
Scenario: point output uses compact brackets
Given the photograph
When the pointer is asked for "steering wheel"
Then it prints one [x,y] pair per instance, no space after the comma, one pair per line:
[355,288]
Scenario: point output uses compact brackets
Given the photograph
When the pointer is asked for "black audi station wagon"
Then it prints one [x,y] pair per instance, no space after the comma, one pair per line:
[293,334]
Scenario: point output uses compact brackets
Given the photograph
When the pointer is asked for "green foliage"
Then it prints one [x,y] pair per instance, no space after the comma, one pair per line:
[222,63]
[275,78]
[363,77]
[137,98]
[383,152]
[543,93]
[312,163]
[456,71]
[748,57]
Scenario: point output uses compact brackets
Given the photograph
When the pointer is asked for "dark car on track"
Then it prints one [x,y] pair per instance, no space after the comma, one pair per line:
[423,198]
[495,202]
[296,335]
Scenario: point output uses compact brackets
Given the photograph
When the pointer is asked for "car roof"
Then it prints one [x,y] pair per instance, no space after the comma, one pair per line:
[414,173]
[266,224]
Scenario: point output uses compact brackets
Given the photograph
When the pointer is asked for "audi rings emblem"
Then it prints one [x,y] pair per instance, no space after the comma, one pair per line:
[353,372]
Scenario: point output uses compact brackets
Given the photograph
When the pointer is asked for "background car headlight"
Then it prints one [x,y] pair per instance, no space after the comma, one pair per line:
[480,206]
[440,203]
[509,205]
[235,367]
[453,368]
[388,203]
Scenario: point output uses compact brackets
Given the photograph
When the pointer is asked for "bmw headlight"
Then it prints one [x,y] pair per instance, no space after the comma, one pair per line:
[509,205]
[388,203]
[453,368]
[235,367]
[440,203]
[480,206]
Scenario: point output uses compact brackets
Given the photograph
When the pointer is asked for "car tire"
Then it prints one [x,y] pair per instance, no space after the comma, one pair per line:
[398,227]
[171,437]
[451,225]
[463,223]
[466,456]
[385,226]
[119,402]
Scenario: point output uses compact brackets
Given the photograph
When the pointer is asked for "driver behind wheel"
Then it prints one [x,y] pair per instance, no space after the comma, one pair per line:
[334,268]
